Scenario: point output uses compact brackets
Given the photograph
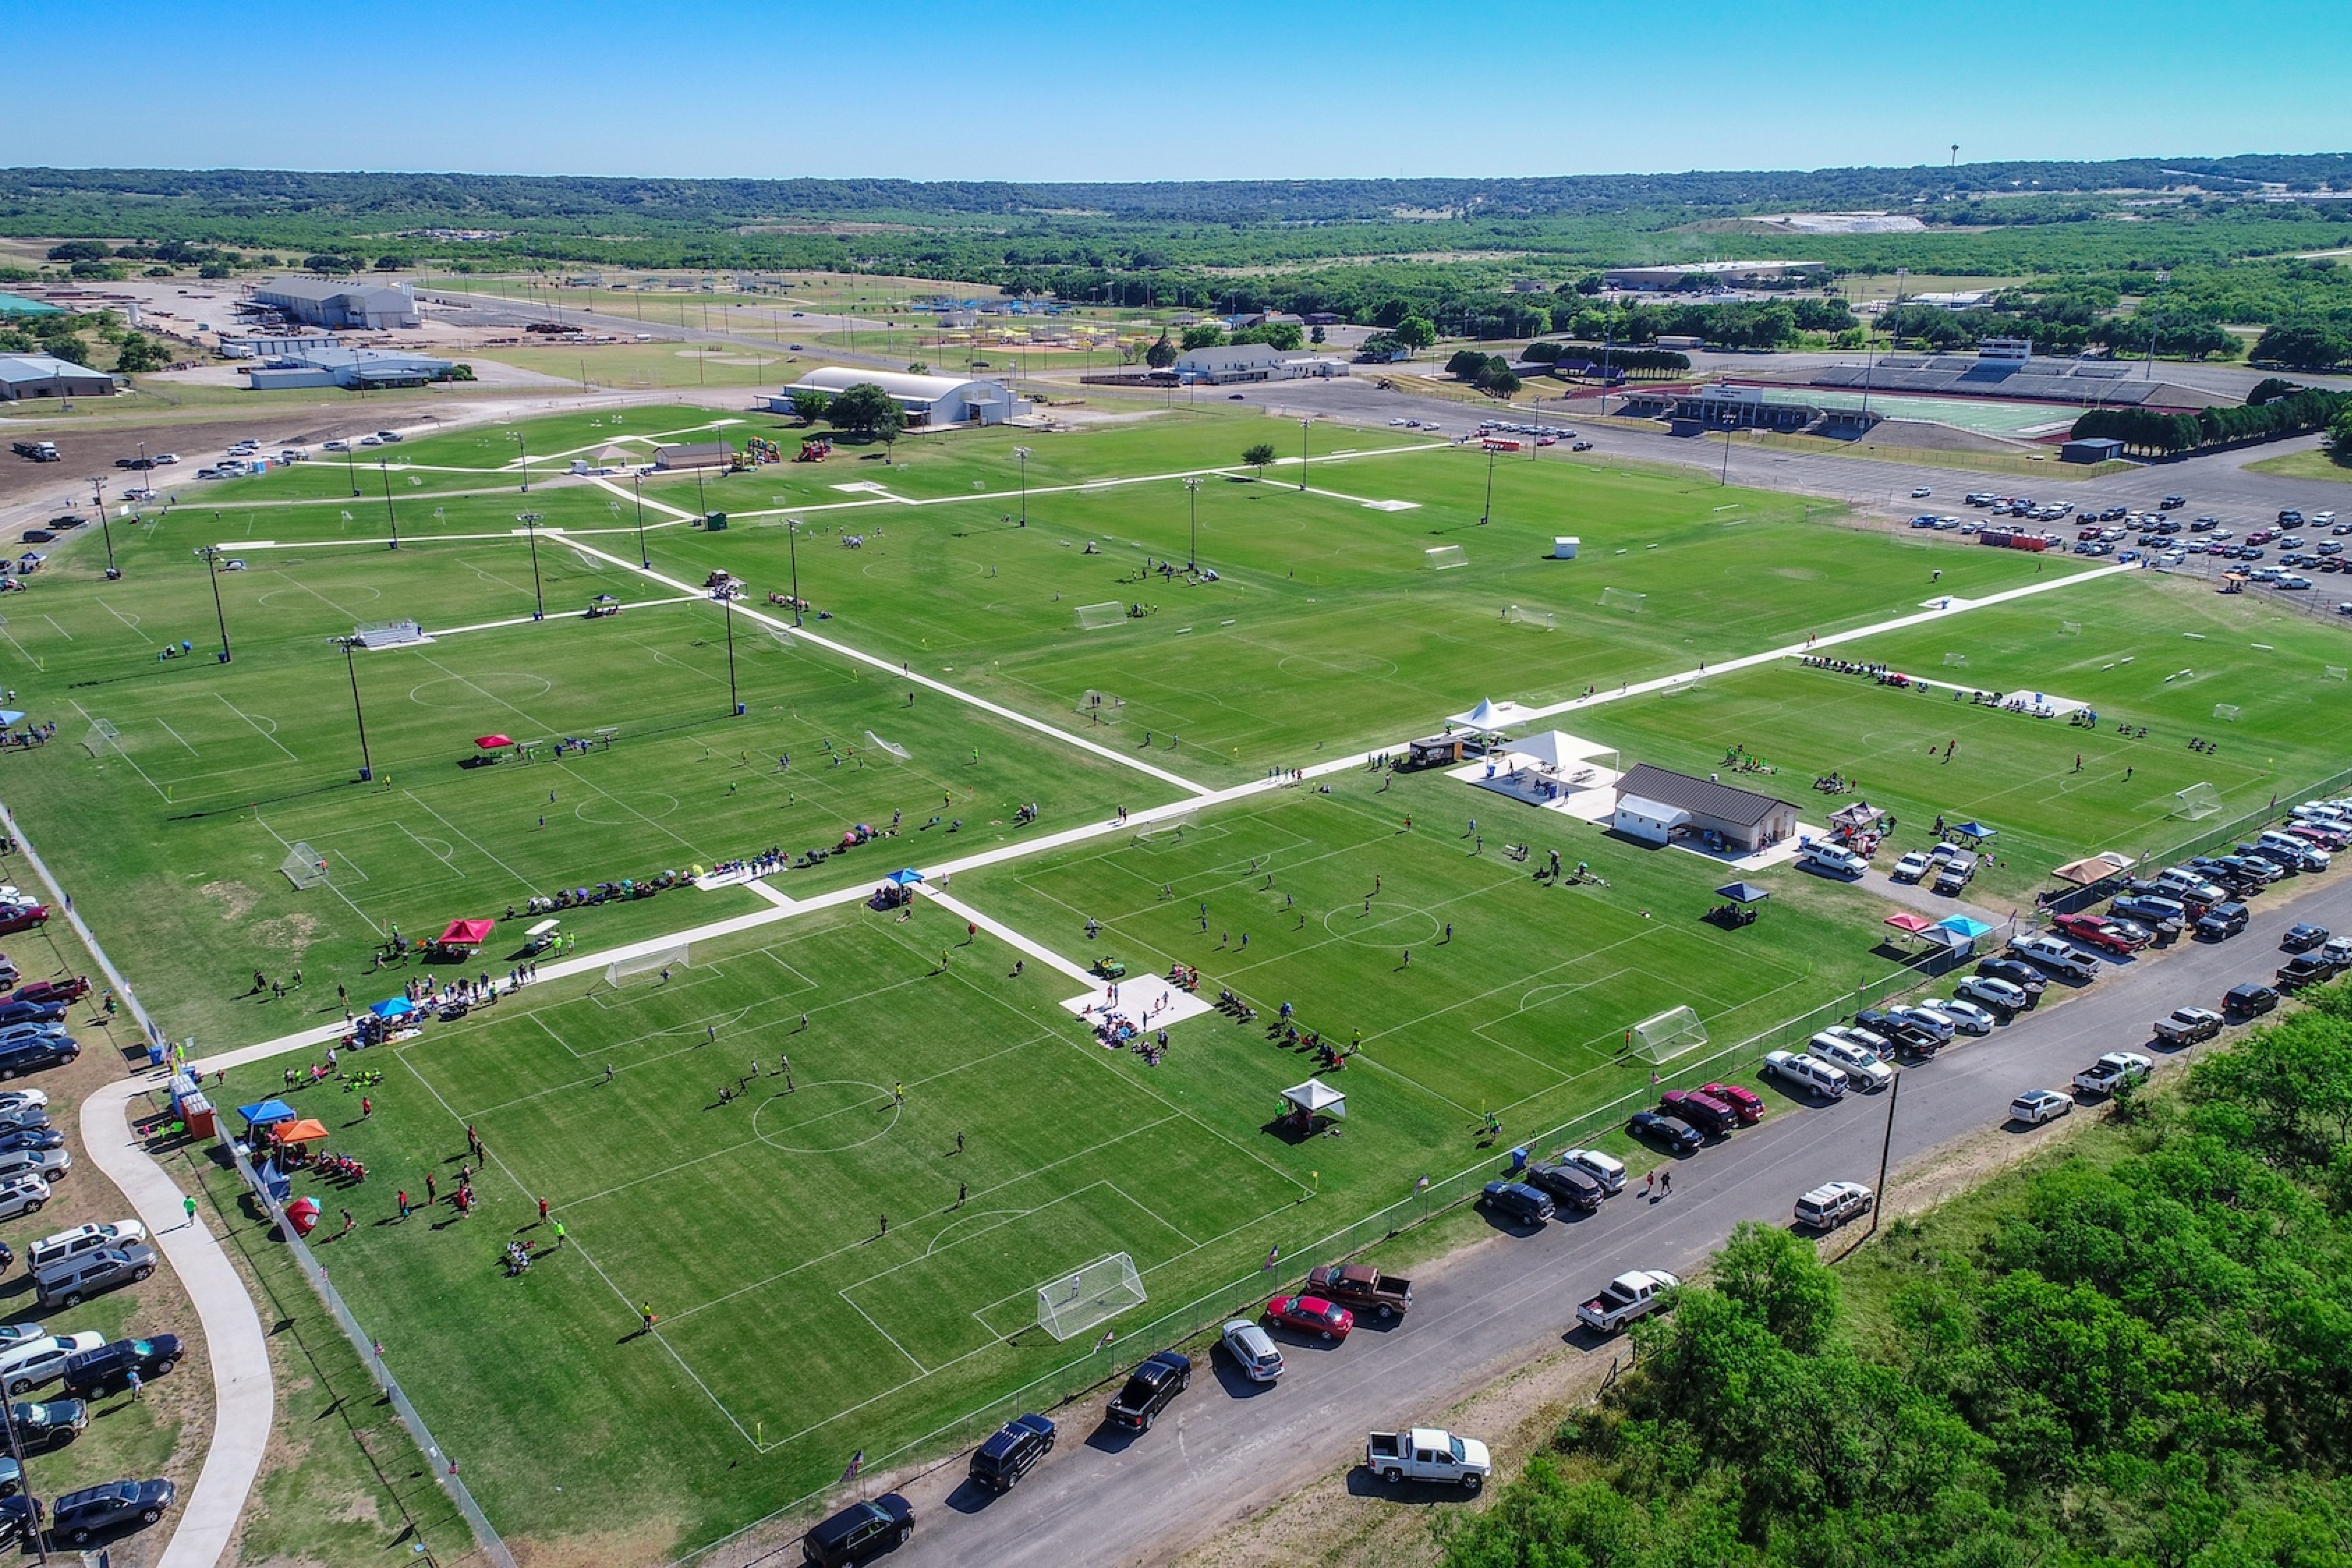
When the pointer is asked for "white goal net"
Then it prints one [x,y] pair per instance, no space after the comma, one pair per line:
[1622,599]
[2332,672]
[304,867]
[1673,1033]
[2226,711]
[660,962]
[1956,660]
[2197,802]
[1446,557]
[1102,708]
[1521,616]
[1088,1297]
[880,745]
[102,735]
[1094,617]
[2070,628]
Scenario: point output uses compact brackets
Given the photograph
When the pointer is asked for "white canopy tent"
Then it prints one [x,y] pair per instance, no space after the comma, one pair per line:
[1315,1098]
[1559,751]
[1484,720]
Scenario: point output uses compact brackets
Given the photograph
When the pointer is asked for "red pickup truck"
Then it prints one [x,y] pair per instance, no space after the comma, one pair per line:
[1363,1287]
[2091,930]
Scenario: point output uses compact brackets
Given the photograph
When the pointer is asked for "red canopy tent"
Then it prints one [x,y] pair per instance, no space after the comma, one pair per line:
[1907,922]
[492,742]
[302,1213]
[467,934]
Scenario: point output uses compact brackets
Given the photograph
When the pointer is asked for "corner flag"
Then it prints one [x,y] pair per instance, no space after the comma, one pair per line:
[856,1462]
[1272,1256]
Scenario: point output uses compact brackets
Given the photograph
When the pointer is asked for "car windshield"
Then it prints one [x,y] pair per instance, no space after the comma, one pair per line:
[1456,1444]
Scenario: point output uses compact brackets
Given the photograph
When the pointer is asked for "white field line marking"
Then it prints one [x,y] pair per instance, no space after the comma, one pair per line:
[256,728]
[131,621]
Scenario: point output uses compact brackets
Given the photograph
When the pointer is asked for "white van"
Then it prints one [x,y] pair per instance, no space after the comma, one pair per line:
[1807,1072]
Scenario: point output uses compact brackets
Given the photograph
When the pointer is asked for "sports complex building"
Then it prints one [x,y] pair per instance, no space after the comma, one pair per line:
[930,402]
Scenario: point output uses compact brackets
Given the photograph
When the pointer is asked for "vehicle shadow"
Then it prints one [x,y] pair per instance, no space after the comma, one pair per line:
[1109,1439]
[1363,1483]
[970,1497]
[1236,1384]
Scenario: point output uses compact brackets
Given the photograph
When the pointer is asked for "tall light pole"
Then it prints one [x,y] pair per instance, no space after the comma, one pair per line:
[210,554]
[367,764]
[1488,515]
[98,499]
[530,520]
[1729,420]
[644,559]
[1305,422]
[1192,491]
[384,467]
[351,468]
[793,544]
[522,446]
[1023,453]
[727,608]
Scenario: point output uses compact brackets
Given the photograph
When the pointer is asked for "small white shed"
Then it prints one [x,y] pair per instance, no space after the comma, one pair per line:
[1648,820]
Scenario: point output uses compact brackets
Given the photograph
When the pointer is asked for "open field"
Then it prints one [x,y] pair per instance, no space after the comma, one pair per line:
[795,1330]
[2318,463]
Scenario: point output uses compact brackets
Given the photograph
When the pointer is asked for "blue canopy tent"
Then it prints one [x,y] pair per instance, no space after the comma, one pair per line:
[1959,932]
[10,716]
[901,879]
[393,1007]
[266,1114]
[1975,830]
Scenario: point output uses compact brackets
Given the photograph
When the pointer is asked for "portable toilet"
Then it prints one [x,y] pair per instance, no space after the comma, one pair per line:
[1563,547]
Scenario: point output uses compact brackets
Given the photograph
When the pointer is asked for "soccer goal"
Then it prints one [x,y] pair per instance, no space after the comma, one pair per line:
[1622,599]
[675,956]
[1094,617]
[880,745]
[2197,802]
[304,867]
[1521,616]
[2332,672]
[2070,628]
[1677,1032]
[1956,660]
[1446,557]
[1077,1301]
[102,735]
[2226,711]
[1101,707]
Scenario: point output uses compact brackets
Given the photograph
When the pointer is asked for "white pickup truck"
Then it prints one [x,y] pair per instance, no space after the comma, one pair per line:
[1428,1454]
[1634,1294]
[2110,1072]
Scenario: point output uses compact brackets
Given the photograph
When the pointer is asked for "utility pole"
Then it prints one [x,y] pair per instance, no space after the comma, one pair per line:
[1729,420]
[1487,516]
[643,559]
[1023,453]
[1886,1155]
[383,467]
[1305,422]
[516,436]
[98,499]
[210,554]
[727,608]
[793,544]
[367,764]
[1192,491]
[351,467]
[530,520]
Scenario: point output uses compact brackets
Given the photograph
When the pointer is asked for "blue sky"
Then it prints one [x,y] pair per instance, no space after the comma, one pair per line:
[1206,90]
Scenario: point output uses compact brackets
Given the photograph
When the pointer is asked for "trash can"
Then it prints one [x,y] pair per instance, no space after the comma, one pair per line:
[1518,1161]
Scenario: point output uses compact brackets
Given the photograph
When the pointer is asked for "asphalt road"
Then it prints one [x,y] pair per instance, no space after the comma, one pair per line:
[1226,1449]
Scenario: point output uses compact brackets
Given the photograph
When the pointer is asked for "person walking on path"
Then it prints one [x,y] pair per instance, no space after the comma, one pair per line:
[188,1208]
[1649,1182]
[1665,1183]
[138,1385]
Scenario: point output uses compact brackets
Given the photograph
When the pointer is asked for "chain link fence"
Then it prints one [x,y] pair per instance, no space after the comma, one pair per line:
[490,1547]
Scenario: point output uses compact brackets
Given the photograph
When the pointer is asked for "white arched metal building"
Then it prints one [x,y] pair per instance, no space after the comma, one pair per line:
[930,401]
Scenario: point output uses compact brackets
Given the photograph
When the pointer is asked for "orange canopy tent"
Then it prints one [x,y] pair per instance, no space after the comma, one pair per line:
[307,1130]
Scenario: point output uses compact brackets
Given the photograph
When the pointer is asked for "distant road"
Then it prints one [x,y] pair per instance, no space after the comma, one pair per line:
[1227,1449]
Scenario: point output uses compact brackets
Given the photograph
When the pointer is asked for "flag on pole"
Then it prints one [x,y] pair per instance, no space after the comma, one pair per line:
[857,1462]
[1422,1186]
[1654,1078]
[1272,1256]
[1104,1343]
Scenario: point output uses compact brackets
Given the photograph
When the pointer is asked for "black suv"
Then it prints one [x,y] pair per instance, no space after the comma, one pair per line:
[109,1367]
[1516,1200]
[51,1424]
[2223,921]
[36,1053]
[2164,915]
[79,1516]
[2249,1000]
[1001,1462]
[1571,1185]
[861,1530]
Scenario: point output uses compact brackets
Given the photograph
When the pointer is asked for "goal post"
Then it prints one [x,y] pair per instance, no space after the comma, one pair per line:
[1088,1297]
[304,867]
[677,955]
[1677,1032]
[1521,616]
[2197,802]
[102,735]
[2332,672]
[1095,618]
[1622,599]
[880,745]
[2226,711]
[1100,707]
[1956,660]
[1446,557]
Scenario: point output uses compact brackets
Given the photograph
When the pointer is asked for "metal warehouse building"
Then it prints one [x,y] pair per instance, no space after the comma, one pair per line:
[43,376]
[330,303]
[930,401]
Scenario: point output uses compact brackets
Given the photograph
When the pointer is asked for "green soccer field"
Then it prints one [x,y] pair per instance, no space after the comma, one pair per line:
[944,679]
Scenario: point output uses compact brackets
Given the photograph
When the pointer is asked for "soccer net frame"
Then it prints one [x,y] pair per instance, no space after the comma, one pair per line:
[1677,1032]
[1073,1303]
[2197,802]
[1098,618]
[2332,672]
[304,867]
[1622,599]
[1446,557]
[1956,660]
[880,745]
[2070,628]
[102,735]
[1521,616]
[2226,711]
[677,955]
[1102,708]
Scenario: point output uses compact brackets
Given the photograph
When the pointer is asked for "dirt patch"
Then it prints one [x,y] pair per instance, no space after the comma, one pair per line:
[646,1542]
[289,933]
[233,898]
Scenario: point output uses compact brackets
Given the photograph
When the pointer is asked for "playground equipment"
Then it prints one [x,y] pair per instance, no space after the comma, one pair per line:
[816,450]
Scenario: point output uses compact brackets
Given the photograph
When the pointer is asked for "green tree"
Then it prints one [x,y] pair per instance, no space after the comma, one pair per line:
[1503,382]
[810,406]
[918,368]
[2302,345]
[1204,335]
[1416,332]
[1780,1278]
[1314,334]
[1258,456]
[866,410]
[139,353]
[79,251]
[1161,354]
